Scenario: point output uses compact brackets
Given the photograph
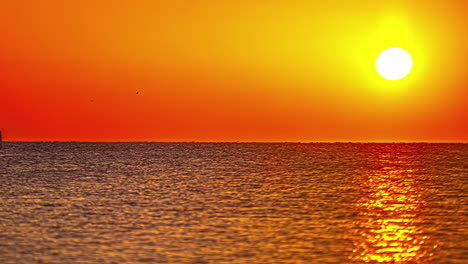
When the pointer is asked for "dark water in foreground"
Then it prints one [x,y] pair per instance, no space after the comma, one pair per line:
[233,203]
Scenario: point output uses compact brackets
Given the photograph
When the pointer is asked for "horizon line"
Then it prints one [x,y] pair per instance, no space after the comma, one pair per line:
[244,142]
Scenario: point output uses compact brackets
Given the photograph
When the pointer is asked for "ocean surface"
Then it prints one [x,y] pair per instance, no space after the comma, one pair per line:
[233,203]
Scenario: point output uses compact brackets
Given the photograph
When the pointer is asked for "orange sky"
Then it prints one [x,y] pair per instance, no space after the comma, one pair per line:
[239,70]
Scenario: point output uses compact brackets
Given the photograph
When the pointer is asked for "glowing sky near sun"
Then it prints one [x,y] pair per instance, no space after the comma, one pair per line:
[231,70]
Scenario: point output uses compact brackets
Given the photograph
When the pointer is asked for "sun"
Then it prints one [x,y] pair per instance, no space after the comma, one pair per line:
[394,64]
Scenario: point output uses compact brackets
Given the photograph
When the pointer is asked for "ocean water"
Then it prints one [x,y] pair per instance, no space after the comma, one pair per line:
[233,203]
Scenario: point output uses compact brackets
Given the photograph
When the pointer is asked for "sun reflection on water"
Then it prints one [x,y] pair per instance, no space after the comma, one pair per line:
[390,225]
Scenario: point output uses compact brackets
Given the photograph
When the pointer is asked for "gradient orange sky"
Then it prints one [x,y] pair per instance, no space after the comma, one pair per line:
[231,70]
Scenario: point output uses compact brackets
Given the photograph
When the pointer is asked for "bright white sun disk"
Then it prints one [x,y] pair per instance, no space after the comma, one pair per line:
[394,64]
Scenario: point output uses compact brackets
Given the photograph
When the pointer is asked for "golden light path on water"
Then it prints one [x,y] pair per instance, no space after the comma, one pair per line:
[390,223]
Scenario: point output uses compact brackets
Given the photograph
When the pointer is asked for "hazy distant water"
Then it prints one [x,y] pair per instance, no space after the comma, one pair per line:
[233,203]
